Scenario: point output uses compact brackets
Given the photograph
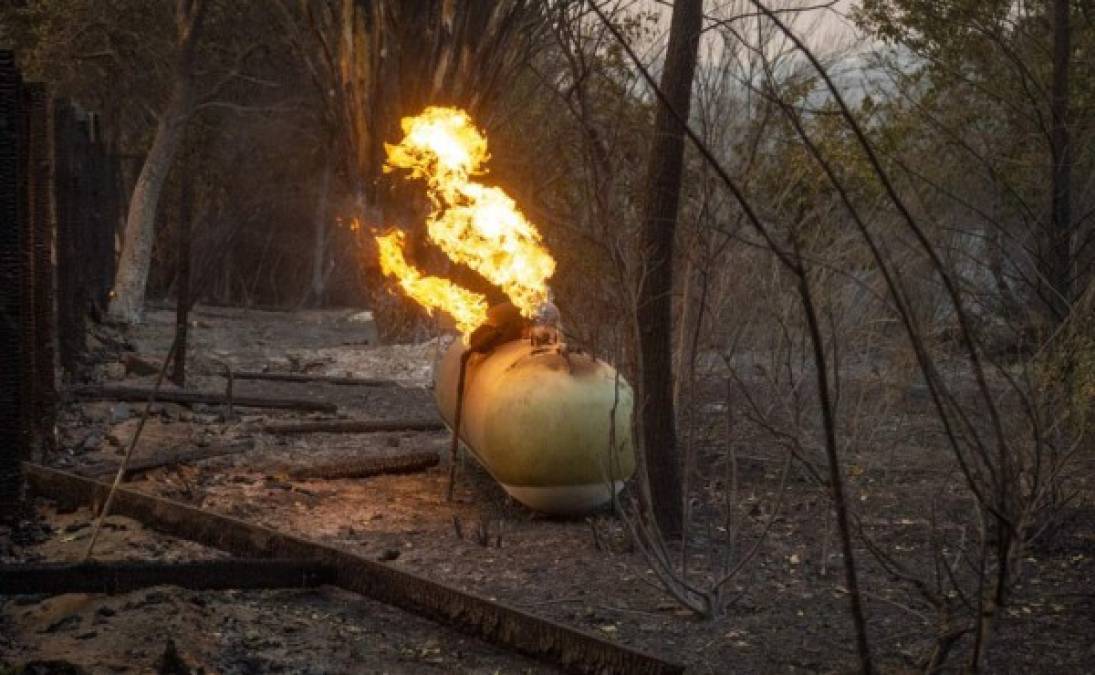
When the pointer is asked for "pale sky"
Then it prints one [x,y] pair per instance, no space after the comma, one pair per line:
[823,24]
[825,28]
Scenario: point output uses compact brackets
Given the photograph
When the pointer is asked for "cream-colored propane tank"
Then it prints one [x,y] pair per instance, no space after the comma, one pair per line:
[538,419]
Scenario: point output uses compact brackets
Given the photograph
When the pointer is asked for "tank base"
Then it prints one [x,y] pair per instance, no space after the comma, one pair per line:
[564,500]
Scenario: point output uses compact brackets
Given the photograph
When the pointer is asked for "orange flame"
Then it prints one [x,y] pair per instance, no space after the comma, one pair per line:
[474,224]
[467,308]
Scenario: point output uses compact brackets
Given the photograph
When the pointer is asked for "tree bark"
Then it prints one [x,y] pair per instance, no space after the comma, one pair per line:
[127,299]
[1061,235]
[654,312]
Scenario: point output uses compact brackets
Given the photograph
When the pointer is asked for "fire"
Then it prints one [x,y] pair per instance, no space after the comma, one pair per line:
[467,308]
[474,224]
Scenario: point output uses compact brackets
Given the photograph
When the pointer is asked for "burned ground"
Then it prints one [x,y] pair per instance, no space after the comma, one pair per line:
[789,613]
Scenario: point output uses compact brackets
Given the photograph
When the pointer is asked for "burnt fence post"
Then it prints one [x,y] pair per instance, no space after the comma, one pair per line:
[59,203]
[72,225]
[14,418]
[88,200]
[40,215]
[105,208]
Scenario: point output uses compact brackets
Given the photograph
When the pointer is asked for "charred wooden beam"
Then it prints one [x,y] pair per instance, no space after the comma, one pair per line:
[314,379]
[353,426]
[121,577]
[571,648]
[157,461]
[128,393]
[198,575]
[363,467]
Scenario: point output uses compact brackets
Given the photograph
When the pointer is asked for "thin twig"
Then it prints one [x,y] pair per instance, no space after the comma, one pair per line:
[124,466]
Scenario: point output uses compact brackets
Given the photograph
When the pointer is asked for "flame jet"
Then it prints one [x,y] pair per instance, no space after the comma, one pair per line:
[468,309]
[474,224]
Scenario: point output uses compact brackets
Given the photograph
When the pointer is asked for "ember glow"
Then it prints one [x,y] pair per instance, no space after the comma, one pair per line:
[474,224]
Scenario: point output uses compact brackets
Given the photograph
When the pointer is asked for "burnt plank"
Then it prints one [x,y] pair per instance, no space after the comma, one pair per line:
[159,460]
[353,426]
[305,378]
[124,576]
[129,393]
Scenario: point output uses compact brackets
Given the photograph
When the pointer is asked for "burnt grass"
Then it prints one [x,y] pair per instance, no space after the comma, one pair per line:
[789,605]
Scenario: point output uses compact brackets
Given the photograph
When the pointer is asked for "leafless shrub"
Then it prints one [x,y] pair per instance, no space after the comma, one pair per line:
[1007,435]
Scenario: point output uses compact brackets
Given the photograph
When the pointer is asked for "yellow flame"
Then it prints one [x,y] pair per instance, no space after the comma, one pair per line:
[467,308]
[474,224]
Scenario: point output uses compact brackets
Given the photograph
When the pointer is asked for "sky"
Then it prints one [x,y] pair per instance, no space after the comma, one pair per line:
[824,25]
[823,28]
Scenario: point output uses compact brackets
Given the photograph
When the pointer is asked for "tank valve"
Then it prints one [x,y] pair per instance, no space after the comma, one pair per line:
[545,326]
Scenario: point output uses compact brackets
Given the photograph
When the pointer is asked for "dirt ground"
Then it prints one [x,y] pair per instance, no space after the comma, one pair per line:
[320,630]
[789,615]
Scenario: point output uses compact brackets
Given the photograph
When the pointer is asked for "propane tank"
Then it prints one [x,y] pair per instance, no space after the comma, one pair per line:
[539,418]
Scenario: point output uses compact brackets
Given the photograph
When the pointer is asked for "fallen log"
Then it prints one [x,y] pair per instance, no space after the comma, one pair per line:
[571,648]
[353,426]
[316,379]
[127,393]
[363,467]
[158,460]
[198,575]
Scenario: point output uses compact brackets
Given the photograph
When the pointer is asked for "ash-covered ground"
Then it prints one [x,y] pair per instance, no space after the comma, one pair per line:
[790,608]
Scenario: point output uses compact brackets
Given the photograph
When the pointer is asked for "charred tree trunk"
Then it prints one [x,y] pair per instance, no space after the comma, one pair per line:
[183,300]
[140,227]
[654,312]
[317,289]
[1061,237]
